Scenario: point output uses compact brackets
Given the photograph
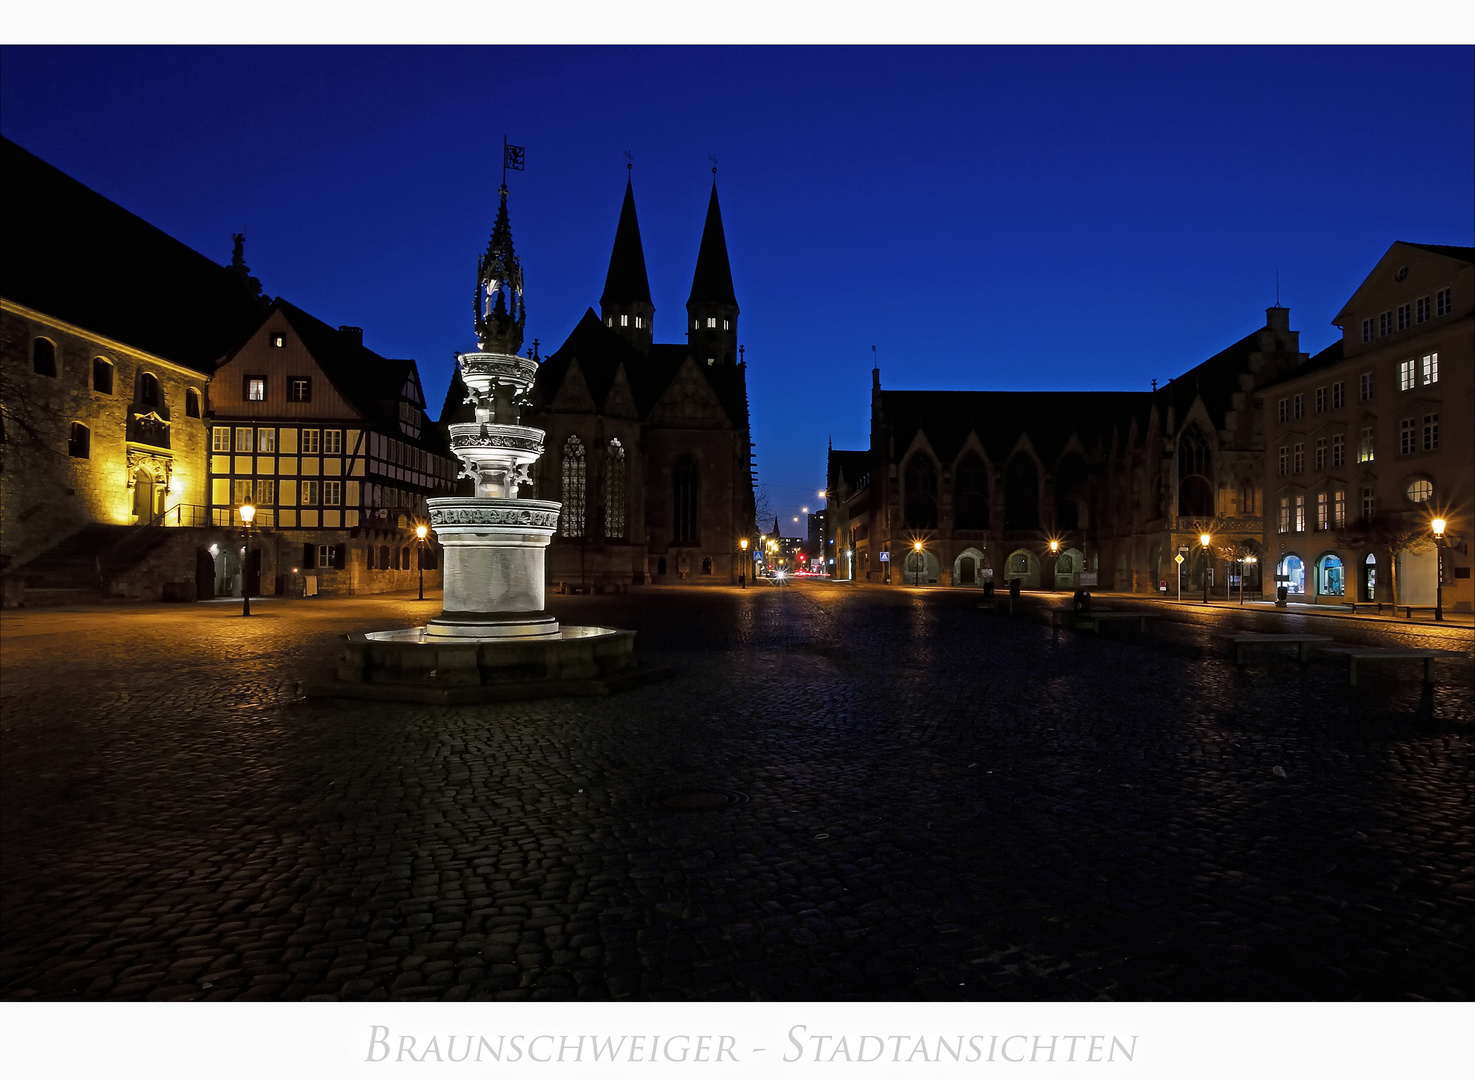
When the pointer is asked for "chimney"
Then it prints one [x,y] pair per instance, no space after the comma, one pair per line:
[353,334]
[1277,318]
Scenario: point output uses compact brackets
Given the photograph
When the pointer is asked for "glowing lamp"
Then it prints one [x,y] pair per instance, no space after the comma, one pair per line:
[1054,546]
[1204,539]
[247,512]
[420,531]
[1438,525]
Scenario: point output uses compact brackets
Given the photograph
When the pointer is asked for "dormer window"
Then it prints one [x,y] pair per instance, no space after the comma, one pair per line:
[279,341]
[299,388]
[254,388]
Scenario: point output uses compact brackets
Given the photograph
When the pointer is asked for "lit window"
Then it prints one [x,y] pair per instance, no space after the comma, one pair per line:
[1365,445]
[332,492]
[696,324]
[711,322]
[1339,509]
[1407,436]
[244,489]
[308,491]
[1339,395]
[1285,409]
[1406,372]
[1300,513]
[1405,316]
[624,320]
[614,490]
[711,360]
[102,376]
[266,493]
[245,439]
[311,444]
[255,388]
[726,325]
[1365,385]
[1321,399]
[332,441]
[1323,512]
[79,444]
[1441,303]
[266,440]
[1298,406]
[609,320]
[1420,491]
[279,341]
[1423,309]
[639,322]
[43,357]
[1320,454]
[574,474]
[1431,431]
[299,388]
[1431,368]
[1367,330]
[1285,515]
[220,440]
[1298,458]
[1339,451]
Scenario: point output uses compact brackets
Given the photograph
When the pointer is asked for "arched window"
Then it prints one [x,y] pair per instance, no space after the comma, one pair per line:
[572,519]
[614,490]
[148,390]
[921,493]
[684,502]
[1333,580]
[707,565]
[79,444]
[1292,573]
[369,557]
[102,375]
[404,558]
[1195,474]
[43,357]
[1021,493]
[970,485]
[191,402]
[1070,493]
[384,563]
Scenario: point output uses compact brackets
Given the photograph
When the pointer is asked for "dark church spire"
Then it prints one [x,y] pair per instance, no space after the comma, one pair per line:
[500,314]
[712,308]
[626,305]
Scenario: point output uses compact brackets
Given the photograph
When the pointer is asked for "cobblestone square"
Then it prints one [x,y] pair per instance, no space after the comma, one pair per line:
[843,793]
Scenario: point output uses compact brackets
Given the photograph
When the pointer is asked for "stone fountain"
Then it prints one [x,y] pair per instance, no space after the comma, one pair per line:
[493,640]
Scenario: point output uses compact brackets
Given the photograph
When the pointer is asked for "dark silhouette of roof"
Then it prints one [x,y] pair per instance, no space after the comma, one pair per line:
[601,353]
[712,281]
[626,282]
[851,464]
[1467,254]
[1332,354]
[69,252]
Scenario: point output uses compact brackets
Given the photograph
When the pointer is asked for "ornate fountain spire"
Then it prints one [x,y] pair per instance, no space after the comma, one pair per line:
[500,314]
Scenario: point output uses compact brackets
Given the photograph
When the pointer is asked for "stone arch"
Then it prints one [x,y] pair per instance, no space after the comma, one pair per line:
[1024,565]
[1290,571]
[1068,566]
[920,568]
[968,567]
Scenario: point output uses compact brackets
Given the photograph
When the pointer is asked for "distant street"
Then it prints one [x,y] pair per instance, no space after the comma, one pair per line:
[844,793]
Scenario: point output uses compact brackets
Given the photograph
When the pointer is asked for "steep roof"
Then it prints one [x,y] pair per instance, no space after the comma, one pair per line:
[73,254]
[1465,254]
[851,464]
[1328,357]
[712,281]
[626,282]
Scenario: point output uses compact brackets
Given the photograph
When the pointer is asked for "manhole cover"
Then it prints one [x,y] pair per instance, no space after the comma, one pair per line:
[686,801]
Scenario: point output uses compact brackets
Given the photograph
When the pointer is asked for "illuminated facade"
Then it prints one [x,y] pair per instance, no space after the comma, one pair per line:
[1378,426]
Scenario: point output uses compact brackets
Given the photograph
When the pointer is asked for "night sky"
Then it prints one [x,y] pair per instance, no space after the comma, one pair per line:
[1005,218]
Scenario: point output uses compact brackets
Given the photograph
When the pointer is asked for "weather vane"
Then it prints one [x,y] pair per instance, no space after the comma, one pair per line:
[513,157]
[629,161]
[713,159]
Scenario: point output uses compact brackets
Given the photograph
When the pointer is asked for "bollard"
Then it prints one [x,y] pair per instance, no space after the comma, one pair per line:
[1082,601]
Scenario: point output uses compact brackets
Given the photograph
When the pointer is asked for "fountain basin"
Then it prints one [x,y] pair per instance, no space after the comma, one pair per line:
[413,665]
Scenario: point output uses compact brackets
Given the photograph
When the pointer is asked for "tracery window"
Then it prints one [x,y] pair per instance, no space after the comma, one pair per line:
[921,493]
[684,502]
[970,481]
[571,521]
[614,490]
[1195,474]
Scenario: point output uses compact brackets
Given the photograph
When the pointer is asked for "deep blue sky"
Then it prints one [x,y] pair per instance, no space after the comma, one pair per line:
[1006,218]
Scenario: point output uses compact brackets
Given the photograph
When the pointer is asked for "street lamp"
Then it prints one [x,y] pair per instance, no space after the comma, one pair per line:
[1438,525]
[247,513]
[420,531]
[1204,539]
[917,548]
[743,563]
[1247,559]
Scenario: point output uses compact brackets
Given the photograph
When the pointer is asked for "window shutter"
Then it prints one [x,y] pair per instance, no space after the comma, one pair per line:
[340,556]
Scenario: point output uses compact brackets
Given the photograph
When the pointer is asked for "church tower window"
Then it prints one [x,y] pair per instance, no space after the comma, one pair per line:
[572,518]
[614,490]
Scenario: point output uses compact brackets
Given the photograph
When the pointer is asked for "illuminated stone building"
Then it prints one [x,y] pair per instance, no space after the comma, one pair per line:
[330,443]
[1061,489]
[1378,426]
[648,444]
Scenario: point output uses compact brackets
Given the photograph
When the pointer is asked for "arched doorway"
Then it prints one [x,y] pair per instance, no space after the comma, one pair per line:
[970,566]
[1024,566]
[204,575]
[1068,565]
[1291,572]
[1370,578]
[1330,577]
[148,495]
[920,568]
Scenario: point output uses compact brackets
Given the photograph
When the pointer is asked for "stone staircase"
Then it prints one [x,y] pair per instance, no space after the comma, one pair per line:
[79,568]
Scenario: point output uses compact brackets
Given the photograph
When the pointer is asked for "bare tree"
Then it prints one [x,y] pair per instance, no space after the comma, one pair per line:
[762,509]
[1388,531]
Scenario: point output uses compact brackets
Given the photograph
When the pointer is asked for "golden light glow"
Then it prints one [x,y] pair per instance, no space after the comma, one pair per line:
[247,512]
[1438,525]
[1204,539]
[744,543]
[821,493]
[916,545]
[176,485]
[1054,546]
[420,531]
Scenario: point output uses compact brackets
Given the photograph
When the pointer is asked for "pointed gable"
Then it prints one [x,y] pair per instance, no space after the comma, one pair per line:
[689,402]
[620,401]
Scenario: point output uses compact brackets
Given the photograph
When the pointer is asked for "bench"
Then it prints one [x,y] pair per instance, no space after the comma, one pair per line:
[1379,605]
[1242,642]
[1092,619]
[1357,656]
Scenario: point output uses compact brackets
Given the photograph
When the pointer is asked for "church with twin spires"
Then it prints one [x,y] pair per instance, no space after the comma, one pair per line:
[648,444]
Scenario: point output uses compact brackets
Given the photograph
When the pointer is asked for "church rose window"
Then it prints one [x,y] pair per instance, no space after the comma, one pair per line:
[571,520]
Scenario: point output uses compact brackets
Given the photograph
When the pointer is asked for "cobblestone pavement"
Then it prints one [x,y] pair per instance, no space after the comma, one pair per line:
[907,798]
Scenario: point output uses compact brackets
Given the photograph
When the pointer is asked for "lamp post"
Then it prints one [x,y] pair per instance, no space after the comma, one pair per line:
[420,532]
[917,549]
[247,513]
[1242,562]
[743,564]
[1438,525]
[1054,558]
[1204,539]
